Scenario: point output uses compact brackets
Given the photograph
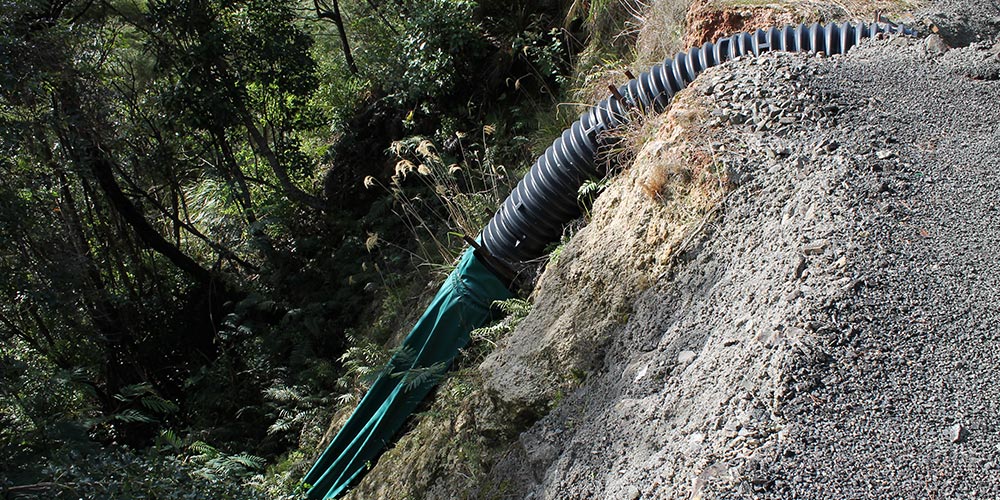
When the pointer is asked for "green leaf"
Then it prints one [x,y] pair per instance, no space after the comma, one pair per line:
[132,416]
[157,404]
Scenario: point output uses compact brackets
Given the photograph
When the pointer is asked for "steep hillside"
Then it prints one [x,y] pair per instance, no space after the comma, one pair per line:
[789,293]
[829,334]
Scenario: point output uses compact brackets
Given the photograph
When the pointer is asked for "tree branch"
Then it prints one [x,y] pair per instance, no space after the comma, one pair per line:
[332,14]
[89,153]
[260,145]
[180,224]
[374,7]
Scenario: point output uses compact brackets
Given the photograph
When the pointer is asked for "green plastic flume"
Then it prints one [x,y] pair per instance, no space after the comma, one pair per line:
[461,305]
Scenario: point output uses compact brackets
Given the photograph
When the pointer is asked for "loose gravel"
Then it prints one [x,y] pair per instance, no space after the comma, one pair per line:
[834,332]
[908,404]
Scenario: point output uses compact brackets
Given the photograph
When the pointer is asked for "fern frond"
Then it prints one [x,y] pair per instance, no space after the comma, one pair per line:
[514,307]
[203,448]
[169,438]
[247,460]
[131,392]
[422,376]
[157,404]
[279,427]
[132,416]
[282,394]
[347,398]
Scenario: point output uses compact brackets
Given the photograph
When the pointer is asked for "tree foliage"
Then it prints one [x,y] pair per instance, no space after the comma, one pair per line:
[190,258]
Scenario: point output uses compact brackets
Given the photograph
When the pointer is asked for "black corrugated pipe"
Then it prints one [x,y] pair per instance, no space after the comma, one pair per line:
[534,214]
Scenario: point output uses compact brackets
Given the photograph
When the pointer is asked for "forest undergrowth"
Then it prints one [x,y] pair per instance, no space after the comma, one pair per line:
[217,217]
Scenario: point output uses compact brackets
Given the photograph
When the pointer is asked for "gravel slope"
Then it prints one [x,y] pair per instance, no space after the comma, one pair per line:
[909,404]
[833,333]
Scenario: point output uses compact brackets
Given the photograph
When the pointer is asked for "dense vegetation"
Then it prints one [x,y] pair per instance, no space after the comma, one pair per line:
[213,214]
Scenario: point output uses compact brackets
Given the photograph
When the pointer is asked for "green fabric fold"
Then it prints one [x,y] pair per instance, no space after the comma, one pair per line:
[461,305]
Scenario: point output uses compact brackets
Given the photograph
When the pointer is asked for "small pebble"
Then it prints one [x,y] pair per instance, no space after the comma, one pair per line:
[935,45]
[815,247]
[633,493]
[957,433]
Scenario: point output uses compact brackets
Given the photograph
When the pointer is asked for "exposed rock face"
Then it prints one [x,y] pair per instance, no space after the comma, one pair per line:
[709,20]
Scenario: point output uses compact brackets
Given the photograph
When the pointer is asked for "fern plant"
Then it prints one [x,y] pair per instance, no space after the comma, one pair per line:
[214,464]
[141,404]
[484,340]
[205,460]
[589,191]
[364,362]
[413,378]
[291,407]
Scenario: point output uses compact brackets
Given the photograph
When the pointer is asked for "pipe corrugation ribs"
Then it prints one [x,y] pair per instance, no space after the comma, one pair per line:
[534,214]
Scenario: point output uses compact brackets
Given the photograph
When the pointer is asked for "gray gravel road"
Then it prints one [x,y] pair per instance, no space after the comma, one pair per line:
[909,406]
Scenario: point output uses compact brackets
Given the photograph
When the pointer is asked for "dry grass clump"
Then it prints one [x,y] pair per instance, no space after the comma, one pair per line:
[672,181]
[672,151]
[662,34]
[439,197]
[612,28]
[660,184]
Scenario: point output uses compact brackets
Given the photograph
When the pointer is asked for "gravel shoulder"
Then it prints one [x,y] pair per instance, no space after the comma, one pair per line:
[833,331]
[908,405]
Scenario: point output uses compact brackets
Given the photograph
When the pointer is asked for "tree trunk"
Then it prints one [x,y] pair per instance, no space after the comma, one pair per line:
[324,11]
[103,171]
[260,144]
[86,149]
[239,181]
[241,187]
[121,366]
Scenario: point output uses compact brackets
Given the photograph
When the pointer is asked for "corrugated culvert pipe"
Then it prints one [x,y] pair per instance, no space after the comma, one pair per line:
[532,217]
[534,214]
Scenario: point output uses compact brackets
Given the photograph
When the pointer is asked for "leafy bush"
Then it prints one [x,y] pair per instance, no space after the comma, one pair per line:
[121,473]
[441,43]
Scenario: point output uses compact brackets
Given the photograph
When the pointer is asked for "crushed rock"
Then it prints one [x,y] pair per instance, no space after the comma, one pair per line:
[828,304]
[730,333]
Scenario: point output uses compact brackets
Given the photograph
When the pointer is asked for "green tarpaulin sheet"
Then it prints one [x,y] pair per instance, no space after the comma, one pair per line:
[461,305]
